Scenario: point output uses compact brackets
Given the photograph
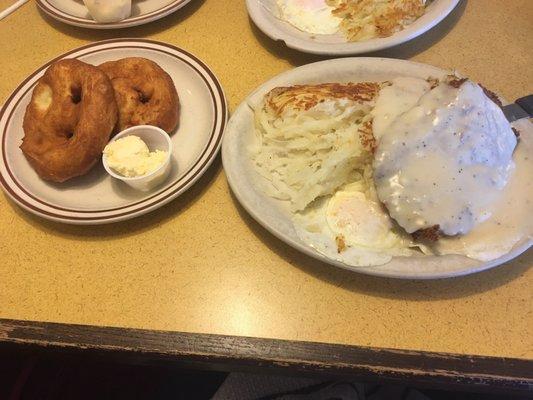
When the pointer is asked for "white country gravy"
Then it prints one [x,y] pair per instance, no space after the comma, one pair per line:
[511,221]
[442,160]
[394,100]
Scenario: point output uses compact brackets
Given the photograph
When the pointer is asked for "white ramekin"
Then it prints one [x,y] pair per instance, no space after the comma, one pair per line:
[156,139]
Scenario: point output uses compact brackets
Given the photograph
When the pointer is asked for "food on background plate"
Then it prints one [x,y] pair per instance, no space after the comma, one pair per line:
[312,16]
[144,92]
[369,19]
[69,120]
[130,157]
[374,176]
[106,11]
[357,20]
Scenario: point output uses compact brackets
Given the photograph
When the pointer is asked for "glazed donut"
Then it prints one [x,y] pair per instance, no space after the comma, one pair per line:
[144,92]
[68,122]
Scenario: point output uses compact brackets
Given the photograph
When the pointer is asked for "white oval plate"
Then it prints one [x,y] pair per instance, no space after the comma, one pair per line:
[274,215]
[96,198]
[74,12]
[263,13]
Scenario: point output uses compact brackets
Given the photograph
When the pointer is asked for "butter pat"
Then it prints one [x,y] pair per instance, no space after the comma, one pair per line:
[108,10]
[130,157]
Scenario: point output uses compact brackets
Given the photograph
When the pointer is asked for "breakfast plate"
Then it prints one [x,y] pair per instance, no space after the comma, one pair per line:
[96,198]
[274,215]
[74,12]
[266,15]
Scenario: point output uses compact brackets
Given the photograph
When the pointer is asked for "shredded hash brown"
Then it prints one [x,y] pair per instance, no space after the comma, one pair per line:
[367,19]
[304,97]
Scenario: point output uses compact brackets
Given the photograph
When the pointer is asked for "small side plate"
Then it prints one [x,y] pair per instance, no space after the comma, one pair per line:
[96,198]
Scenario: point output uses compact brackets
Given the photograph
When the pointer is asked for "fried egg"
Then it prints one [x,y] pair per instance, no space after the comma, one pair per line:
[313,16]
[351,227]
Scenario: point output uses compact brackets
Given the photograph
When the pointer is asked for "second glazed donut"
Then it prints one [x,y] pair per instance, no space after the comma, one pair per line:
[144,92]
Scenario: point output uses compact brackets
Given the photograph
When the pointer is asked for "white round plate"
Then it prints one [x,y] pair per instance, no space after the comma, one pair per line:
[96,198]
[274,215]
[264,14]
[74,12]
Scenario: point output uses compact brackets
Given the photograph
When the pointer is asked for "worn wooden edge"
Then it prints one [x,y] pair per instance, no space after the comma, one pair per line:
[237,353]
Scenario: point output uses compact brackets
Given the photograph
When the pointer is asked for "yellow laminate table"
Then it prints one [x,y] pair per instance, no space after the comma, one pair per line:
[202,265]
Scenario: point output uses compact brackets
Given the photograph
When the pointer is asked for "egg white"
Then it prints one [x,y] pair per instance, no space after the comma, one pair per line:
[313,16]
[352,228]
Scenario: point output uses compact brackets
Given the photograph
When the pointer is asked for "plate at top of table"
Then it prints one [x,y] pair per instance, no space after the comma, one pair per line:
[74,12]
[96,197]
[296,23]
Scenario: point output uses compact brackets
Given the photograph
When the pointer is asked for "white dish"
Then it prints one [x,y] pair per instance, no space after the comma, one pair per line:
[97,198]
[275,216]
[263,13]
[74,12]
[155,139]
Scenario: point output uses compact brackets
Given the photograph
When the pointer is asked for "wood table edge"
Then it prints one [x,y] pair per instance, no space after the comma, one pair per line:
[240,353]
